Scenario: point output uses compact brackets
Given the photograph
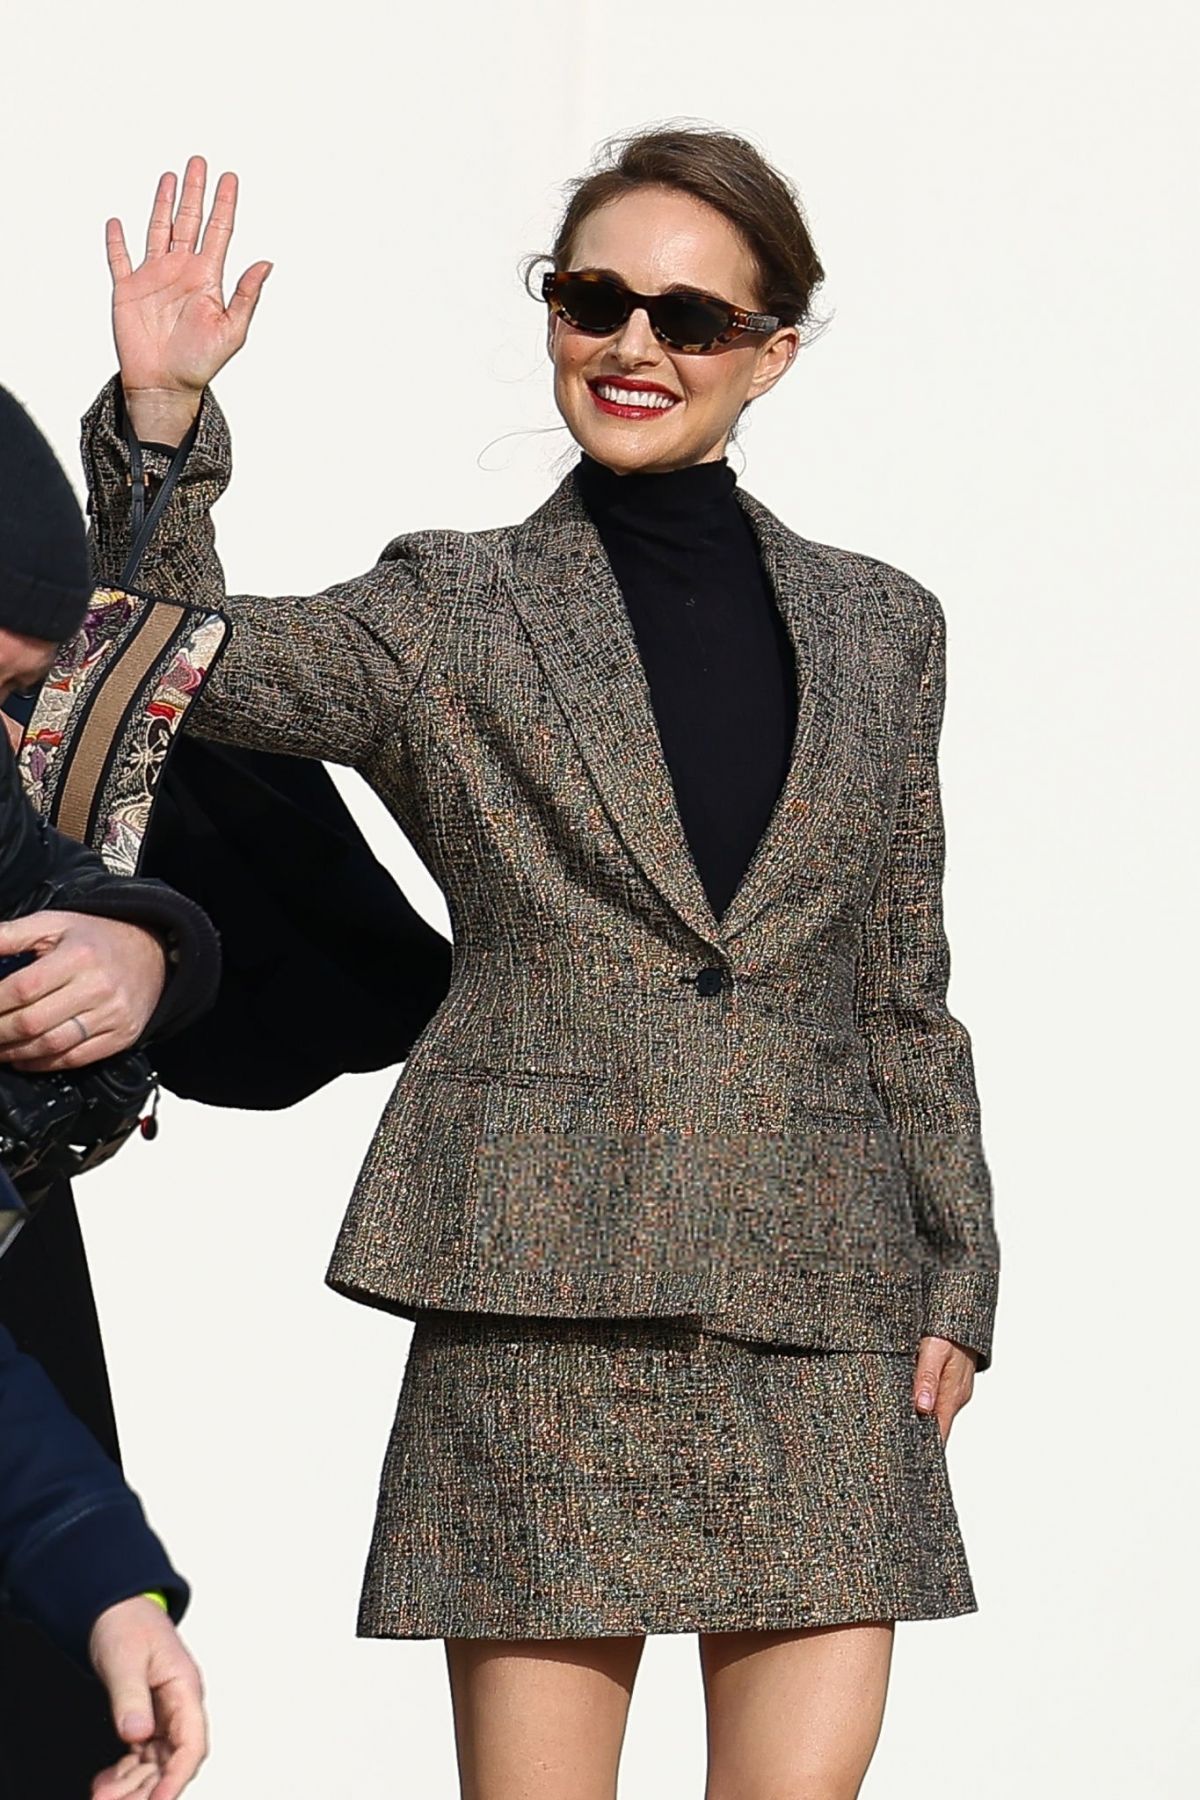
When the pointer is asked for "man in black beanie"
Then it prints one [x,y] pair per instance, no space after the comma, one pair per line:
[44,582]
[56,1729]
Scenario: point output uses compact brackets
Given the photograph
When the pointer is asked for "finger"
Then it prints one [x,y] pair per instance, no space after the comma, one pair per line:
[137,1786]
[79,997]
[130,1698]
[927,1379]
[82,1053]
[184,1726]
[158,232]
[26,1013]
[109,1786]
[219,229]
[45,994]
[240,310]
[118,256]
[59,1040]
[36,931]
[130,1779]
[186,228]
[120,1770]
[175,1777]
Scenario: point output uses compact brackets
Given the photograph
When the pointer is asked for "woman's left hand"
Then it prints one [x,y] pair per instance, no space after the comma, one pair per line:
[90,994]
[944,1378]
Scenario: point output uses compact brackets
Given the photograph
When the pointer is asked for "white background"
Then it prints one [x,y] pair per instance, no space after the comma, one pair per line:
[1005,406]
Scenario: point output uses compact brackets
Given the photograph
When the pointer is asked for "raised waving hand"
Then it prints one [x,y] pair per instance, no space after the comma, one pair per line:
[172,327]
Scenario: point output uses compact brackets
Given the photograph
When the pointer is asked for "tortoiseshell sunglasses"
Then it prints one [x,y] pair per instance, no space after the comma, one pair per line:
[685,319]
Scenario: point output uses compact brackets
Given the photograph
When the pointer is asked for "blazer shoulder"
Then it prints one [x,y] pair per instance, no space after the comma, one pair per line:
[900,595]
[443,563]
[876,591]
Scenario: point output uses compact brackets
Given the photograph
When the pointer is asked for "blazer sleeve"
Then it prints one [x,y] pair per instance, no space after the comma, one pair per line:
[324,675]
[920,1055]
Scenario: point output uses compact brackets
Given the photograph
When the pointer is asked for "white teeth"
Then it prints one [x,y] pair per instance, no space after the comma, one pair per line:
[620,396]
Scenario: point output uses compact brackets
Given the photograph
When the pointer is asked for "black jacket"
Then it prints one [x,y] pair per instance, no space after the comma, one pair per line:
[73,1538]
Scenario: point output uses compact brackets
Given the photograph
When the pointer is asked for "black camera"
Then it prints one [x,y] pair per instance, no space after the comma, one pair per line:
[56,1126]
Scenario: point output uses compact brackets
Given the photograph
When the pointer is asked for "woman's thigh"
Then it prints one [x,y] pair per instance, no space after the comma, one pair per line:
[794,1715]
[541,1720]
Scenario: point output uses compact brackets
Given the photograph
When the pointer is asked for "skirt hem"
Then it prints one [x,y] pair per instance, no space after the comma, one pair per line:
[791,1620]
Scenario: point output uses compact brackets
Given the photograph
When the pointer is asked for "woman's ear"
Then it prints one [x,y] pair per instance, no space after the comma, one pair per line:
[774,360]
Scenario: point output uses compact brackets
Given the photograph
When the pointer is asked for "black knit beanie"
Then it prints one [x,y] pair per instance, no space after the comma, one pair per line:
[44,581]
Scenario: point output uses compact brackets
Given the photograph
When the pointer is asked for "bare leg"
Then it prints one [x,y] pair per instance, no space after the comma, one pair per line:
[794,1715]
[541,1720]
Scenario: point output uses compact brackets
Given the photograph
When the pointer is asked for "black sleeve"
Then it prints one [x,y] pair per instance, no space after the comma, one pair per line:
[73,1537]
[327,968]
[41,870]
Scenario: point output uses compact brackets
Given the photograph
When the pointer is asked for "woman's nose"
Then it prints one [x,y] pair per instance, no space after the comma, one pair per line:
[635,340]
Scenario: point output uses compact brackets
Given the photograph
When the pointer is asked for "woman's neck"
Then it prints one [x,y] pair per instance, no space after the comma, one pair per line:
[655,495]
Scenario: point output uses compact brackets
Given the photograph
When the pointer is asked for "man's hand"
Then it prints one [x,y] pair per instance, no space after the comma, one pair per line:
[157,1700]
[944,1377]
[90,994]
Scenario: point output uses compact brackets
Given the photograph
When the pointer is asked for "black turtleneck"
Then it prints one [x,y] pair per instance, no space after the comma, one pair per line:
[714,647]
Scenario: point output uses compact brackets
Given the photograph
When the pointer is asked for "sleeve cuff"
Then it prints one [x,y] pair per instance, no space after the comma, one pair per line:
[190,939]
[106,466]
[75,1573]
[961,1305]
[210,453]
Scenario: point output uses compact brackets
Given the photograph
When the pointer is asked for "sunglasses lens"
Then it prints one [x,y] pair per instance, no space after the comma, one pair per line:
[690,319]
[593,305]
[686,321]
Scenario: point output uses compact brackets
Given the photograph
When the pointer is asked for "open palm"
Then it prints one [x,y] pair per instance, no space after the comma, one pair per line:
[172,327]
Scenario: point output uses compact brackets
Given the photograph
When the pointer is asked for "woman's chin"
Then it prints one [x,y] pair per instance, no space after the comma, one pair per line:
[633,447]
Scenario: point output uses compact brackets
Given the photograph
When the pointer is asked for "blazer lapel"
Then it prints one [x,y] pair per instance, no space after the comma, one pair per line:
[566,594]
[565,591]
[787,852]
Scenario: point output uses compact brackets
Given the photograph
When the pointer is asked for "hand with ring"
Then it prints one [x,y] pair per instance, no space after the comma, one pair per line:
[90,994]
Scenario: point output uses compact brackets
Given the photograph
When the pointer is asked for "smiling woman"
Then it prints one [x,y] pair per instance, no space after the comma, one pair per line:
[682,274]
[695,1308]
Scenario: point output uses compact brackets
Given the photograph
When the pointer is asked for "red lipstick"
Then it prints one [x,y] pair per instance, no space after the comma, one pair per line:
[643,402]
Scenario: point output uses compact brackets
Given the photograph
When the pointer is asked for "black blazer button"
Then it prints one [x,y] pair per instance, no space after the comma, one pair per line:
[710,980]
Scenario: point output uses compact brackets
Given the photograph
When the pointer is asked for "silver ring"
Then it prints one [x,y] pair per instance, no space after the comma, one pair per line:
[84,1033]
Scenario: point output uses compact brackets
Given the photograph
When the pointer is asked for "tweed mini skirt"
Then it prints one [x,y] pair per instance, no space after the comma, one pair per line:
[574,1478]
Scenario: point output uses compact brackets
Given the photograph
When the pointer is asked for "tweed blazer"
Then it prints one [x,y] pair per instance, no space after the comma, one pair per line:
[625,1105]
